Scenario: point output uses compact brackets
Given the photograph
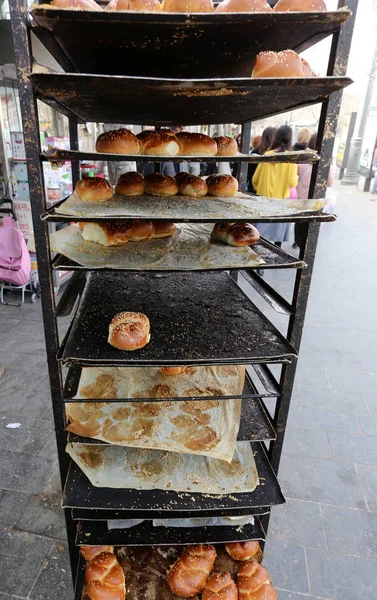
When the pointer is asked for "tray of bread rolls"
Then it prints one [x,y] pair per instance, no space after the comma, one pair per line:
[179,319]
[171,44]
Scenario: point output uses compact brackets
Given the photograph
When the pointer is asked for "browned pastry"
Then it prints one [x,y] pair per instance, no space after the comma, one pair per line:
[187,6]
[118,141]
[117,233]
[196,144]
[188,575]
[130,184]
[161,229]
[235,234]
[243,550]
[157,184]
[226,145]
[281,64]
[191,185]
[94,189]
[254,582]
[220,586]
[134,5]
[222,185]
[300,5]
[129,331]
[80,4]
[105,578]
[172,370]
[90,552]
[158,144]
[243,6]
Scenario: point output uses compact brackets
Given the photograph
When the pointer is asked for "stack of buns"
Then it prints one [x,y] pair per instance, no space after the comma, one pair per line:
[118,233]
[281,64]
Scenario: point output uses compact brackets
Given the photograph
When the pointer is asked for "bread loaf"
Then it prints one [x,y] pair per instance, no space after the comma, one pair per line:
[191,185]
[94,189]
[79,4]
[254,582]
[134,5]
[235,234]
[118,141]
[188,575]
[157,184]
[300,5]
[244,550]
[117,233]
[222,185]
[162,229]
[226,145]
[243,6]
[196,144]
[105,578]
[220,586]
[187,6]
[281,64]
[90,552]
[172,370]
[158,144]
[129,331]
[130,184]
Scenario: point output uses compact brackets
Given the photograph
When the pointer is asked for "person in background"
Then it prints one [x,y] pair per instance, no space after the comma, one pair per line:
[303,139]
[265,143]
[275,180]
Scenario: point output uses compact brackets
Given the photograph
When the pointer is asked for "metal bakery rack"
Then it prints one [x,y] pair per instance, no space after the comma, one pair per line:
[163,69]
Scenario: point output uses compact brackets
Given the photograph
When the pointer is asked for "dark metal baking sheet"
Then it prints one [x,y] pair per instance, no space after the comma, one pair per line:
[92,514]
[96,533]
[80,493]
[152,101]
[176,45]
[196,318]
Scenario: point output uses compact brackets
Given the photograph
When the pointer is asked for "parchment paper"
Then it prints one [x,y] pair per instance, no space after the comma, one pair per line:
[195,522]
[132,468]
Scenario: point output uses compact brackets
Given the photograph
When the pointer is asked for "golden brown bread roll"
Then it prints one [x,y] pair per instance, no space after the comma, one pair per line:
[191,185]
[129,331]
[243,6]
[243,550]
[187,6]
[226,145]
[161,229]
[300,5]
[105,578]
[254,582]
[222,185]
[119,141]
[281,64]
[80,4]
[117,233]
[94,189]
[235,234]
[172,370]
[220,586]
[90,552]
[158,144]
[130,184]
[196,144]
[188,575]
[157,184]
[134,5]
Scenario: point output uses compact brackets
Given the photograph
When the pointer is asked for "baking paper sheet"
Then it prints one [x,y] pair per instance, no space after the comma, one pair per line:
[195,522]
[189,248]
[106,383]
[204,427]
[133,468]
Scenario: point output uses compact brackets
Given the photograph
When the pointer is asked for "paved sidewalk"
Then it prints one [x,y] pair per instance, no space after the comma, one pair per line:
[323,543]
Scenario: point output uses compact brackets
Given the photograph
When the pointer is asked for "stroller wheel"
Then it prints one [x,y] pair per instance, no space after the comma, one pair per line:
[34,298]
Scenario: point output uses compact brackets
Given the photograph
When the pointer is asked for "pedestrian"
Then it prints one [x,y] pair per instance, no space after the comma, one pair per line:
[265,143]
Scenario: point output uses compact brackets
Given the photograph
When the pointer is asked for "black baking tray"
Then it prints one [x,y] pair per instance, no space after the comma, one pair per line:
[92,514]
[196,318]
[154,101]
[96,533]
[80,493]
[176,45]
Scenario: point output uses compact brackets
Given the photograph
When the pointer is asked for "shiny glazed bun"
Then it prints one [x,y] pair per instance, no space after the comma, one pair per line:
[220,586]
[94,189]
[243,550]
[280,64]
[172,370]
[243,6]
[157,184]
[226,145]
[119,141]
[300,5]
[235,234]
[188,575]
[196,144]
[158,144]
[254,582]
[129,331]
[90,552]
[105,578]
[130,184]
[187,6]
[80,4]
[162,229]
[134,5]
[192,185]
[222,185]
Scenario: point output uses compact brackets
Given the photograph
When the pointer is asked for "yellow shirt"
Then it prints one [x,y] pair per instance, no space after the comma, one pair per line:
[274,180]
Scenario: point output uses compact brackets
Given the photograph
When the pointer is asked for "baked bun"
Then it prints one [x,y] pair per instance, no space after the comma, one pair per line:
[254,582]
[105,578]
[80,4]
[226,145]
[94,189]
[281,64]
[172,370]
[188,575]
[163,230]
[244,550]
[222,185]
[192,185]
[157,184]
[90,552]
[117,233]
[220,586]
[187,6]
[235,234]
[130,184]
[118,141]
[196,144]
[243,6]
[158,144]
[300,5]
[134,5]
[129,331]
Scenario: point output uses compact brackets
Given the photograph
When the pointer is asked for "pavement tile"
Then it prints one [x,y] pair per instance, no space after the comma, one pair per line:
[368,480]
[349,378]
[35,435]
[340,577]
[32,401]
[320,480]
[11,506]
[334,400]
[307,442]
[353,448]
[27,336]
[320,418]
[24,472]
[351,531]
[352,340]
[8,324]
[54,581]
[286,566]
[371,401]
[297,522]
[284,595]
[369,424]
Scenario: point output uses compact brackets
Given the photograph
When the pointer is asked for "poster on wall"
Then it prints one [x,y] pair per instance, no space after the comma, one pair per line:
[23,212]
[368,147]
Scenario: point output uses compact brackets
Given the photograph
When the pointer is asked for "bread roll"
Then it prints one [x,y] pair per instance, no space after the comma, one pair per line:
[187,6]
[157,184]
[243,550]
[235,234]
[163,230]
[196,144]
[117,233]
[172,370]
[280,64]
[191,185]
[80,4]
[243,6]
[222,185]
[158,144]
[134,5]
[300,5]
[226,145]
[90,552]
[130,184]
[129,331]
[105,578]
[94,189]
[254,583]
[119,141]
[188,575]
[220,586]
